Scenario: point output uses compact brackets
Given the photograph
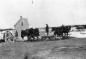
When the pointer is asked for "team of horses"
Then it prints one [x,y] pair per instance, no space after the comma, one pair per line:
[30,33]
[62,31]
[33,34]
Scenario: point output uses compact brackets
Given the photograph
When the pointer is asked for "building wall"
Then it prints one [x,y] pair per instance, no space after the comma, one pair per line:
[22,24]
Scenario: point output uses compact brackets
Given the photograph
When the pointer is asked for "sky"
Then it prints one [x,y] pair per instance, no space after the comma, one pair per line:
[41,12]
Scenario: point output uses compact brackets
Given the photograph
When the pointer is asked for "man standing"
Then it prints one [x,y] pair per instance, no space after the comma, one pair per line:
[47,29]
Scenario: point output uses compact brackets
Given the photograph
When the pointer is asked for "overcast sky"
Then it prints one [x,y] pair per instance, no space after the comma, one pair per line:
[41,12]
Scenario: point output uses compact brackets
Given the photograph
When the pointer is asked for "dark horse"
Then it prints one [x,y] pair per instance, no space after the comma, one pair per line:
[61,31]
[30,33]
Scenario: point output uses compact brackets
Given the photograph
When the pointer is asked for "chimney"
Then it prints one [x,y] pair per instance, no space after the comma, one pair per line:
[20,17]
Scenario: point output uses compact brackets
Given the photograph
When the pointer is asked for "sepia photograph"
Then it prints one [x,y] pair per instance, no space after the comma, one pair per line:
[42,29]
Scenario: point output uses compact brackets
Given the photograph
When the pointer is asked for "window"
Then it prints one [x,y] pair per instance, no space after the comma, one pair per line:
[22,24]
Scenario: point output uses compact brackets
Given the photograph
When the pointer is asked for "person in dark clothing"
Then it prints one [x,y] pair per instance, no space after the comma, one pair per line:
[47,29]
[16,34]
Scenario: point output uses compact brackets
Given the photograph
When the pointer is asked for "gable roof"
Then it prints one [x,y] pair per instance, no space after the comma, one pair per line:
[21,18]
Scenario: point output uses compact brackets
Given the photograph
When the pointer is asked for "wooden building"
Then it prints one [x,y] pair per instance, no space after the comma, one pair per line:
[22,24]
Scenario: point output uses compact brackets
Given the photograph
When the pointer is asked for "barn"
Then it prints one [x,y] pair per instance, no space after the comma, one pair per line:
[22,24]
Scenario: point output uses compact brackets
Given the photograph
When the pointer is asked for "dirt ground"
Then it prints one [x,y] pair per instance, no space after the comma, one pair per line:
[74,48]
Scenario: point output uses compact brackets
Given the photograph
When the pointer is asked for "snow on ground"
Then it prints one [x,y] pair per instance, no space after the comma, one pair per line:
[78,34]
